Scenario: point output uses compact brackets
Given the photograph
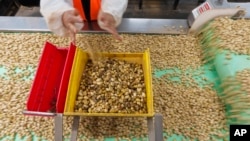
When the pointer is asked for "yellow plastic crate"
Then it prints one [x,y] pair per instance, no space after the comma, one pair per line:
[80,60]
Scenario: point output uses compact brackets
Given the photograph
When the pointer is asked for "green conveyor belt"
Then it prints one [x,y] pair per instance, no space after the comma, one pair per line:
[210,74]
[220,70]
[226,68]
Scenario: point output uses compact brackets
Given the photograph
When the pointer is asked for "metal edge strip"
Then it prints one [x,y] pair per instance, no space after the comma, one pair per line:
[128,25]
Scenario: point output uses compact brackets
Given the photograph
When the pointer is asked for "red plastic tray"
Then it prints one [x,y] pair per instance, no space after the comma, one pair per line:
[49,88]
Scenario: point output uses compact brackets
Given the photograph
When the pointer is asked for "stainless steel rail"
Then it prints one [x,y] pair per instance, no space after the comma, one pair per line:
[128,25]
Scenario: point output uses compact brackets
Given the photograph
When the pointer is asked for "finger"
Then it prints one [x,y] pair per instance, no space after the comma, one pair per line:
[73,38]
[76,13]
[114,32]
[108,24]
[72,32]
[76,19]
[117,36]
[72,28]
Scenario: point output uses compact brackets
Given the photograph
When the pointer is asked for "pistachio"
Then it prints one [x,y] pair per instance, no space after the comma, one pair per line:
[123,94]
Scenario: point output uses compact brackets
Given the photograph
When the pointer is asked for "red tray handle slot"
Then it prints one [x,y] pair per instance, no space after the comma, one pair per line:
[65,80]
[45,87]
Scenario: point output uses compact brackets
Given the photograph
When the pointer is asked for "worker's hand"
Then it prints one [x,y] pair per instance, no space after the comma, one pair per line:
[69,19]
[107,22]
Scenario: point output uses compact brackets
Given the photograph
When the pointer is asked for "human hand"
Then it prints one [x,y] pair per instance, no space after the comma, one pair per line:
[107,22]
[69,19]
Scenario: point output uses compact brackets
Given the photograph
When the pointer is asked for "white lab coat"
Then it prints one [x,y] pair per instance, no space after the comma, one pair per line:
[52,11]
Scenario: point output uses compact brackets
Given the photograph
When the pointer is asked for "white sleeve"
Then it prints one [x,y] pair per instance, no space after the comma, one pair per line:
[52,11]
[115,8]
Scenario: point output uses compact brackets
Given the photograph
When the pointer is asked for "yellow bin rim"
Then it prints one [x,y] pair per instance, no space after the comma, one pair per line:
[79,62]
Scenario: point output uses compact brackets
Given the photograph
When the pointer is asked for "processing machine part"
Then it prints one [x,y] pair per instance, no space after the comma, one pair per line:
[219,4]
[211,9]
[211,14]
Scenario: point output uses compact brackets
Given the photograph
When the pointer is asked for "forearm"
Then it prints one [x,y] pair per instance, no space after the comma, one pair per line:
[115,8]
